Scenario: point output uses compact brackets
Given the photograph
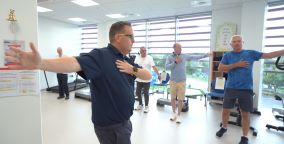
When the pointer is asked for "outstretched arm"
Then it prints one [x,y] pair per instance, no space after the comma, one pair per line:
[190,57]
[33,60]
[273,54]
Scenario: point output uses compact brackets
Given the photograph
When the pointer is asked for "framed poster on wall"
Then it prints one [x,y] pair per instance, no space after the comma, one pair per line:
[223,36]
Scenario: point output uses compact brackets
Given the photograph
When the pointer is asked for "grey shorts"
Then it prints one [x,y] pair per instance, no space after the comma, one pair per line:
[115,134]
[243,97]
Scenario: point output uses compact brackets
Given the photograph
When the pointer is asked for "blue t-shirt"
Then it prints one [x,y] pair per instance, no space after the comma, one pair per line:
[112,91]
[241,78]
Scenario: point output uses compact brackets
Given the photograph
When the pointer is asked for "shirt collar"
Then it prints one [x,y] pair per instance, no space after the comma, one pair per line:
[115,51]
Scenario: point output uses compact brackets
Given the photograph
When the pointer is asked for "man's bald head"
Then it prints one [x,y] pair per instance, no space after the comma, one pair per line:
[143,51]
[177,48]
[236,43]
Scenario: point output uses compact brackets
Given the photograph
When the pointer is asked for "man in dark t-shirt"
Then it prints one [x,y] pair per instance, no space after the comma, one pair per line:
[112,76]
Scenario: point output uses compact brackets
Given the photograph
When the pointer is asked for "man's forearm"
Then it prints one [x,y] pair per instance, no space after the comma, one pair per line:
[273,54]
[226,68]
[143,74]
[156,70]
[60,65]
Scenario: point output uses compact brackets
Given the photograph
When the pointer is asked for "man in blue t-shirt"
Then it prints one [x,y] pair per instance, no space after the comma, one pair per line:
[112,76]
[239,86]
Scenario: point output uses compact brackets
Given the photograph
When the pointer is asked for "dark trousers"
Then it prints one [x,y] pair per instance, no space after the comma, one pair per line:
[115,134]
[62,84]
[143,88]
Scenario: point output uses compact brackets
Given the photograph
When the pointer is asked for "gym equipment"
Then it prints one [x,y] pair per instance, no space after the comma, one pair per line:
[278,112]
[155,84]
[75,85]
[84,93]
[190,93]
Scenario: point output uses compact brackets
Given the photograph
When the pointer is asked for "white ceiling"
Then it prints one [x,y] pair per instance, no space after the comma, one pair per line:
[64,9]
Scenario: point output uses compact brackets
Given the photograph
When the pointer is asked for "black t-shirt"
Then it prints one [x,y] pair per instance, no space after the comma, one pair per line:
[112,91]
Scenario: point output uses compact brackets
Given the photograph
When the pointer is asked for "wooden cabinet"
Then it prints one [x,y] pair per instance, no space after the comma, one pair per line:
[215,61]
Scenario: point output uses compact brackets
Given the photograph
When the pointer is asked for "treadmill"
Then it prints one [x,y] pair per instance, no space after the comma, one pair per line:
[75,85]
[278,112]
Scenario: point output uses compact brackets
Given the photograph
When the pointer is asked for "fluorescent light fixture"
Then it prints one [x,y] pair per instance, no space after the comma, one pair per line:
[77,19]
[42,9]
[115,16]
[85,3]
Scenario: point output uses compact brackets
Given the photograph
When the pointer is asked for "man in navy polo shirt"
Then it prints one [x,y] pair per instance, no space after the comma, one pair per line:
[239,86]
[112,76]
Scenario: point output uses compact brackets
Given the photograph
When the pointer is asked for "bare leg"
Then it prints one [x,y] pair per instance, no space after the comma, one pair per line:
[173,103]
[179,106]
[225,117]
[245,122]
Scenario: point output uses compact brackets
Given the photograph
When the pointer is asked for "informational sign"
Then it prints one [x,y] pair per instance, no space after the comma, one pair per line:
[220,83]
[19,83]
[7,45]
[223,36]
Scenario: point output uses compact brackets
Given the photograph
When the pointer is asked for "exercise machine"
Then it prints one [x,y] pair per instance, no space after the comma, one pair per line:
[278,112]
[84,93]
[75,85]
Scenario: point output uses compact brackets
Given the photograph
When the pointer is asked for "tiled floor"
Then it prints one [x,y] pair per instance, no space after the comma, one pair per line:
[69,122]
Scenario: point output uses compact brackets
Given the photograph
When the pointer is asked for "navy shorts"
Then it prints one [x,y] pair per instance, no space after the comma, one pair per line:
[243,97]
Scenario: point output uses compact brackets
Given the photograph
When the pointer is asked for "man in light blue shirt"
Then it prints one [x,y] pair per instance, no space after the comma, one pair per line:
[176,63]
[239,86]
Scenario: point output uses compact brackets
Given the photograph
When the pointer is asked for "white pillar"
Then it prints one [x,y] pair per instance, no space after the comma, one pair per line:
[253,17]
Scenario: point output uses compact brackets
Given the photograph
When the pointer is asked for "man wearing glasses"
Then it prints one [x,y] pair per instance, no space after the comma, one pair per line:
[145,61]
[112,76]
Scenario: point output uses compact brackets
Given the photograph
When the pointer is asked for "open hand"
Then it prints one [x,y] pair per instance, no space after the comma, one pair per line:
[242,63]
[178,60]
[22,59]
[124,67]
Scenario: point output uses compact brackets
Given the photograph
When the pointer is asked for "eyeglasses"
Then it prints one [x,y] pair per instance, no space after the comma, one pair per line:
[129,36]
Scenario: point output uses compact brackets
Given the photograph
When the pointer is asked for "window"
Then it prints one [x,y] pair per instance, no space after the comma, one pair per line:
[273,79]
[89,38]
[192,31]
[139,29]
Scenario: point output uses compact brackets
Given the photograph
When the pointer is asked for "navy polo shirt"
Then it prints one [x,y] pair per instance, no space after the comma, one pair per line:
[112,91]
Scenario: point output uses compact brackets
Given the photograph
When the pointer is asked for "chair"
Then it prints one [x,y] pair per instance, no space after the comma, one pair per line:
[155,84]
[215,95]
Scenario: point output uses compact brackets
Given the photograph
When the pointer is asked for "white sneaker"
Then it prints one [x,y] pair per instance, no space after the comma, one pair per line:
[178,119]
[146,110]
[173,117]
[139,107]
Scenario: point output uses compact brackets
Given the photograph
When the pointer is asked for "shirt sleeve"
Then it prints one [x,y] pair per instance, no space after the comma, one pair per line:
[256,55]
[170,64]
[91,64]
[225,59]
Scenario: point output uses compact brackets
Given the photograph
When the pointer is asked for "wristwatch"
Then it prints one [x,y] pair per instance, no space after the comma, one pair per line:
[135,70]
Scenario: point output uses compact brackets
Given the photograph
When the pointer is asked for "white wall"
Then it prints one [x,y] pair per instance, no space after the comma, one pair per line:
[20,117]
[53,34]
[103,32]
[221,16]
[253,17]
